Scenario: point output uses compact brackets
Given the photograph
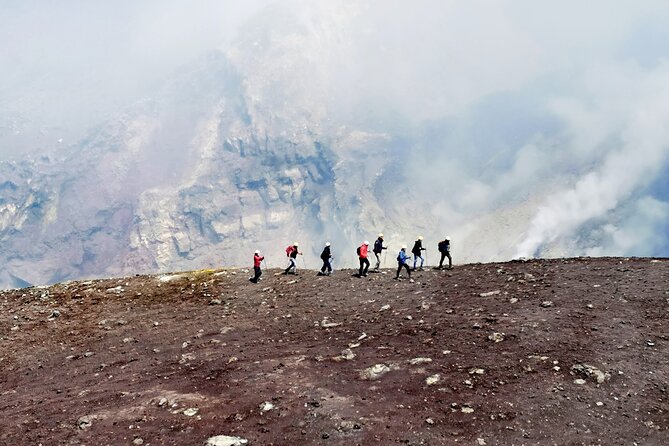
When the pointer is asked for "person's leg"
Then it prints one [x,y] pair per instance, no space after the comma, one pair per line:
[325,264]
[415,259]
[408,270]
[290,265]
[294,262]
[422,259]
[399,269]
[364,273]
[378,260]
[329,265]
[450,260]
[362,264]
[441,261]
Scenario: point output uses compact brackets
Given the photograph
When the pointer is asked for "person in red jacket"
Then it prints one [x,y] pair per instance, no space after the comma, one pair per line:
[364,261]
[257,260]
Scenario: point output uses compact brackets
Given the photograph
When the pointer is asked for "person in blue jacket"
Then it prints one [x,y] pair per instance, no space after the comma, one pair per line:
[402,259]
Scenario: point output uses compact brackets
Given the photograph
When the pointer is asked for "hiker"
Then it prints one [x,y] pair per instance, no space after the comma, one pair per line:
[417,252]
[325,257]
[445,250]
[291,252]
[257,259]
[402,259]
[362,256]
[378,248]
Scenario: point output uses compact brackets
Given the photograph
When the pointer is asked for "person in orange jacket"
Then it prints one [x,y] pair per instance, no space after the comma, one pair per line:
[363,251]
[257,260]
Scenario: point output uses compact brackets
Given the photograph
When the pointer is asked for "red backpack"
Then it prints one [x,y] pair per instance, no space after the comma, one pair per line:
[289,250]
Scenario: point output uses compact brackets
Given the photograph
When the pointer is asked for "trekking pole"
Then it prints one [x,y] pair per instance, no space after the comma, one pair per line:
[385,257]
[304,263]
[426,259]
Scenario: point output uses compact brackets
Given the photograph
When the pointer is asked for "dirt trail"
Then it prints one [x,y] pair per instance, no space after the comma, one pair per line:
[542,352]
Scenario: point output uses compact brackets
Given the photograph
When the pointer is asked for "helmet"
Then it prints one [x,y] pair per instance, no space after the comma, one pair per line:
[296,244]
[420,237]
[365,242]
[448,238]
[404,246]
[257,251]
[327,244]
[380,234]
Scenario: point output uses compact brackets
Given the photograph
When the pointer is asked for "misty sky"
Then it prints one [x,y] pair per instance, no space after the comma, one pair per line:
[499,98]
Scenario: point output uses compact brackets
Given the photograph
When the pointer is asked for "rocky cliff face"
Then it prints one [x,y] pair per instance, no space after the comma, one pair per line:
[269,141]
[200,175]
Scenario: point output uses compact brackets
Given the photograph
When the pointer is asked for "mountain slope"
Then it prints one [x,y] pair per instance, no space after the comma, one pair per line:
[547,351]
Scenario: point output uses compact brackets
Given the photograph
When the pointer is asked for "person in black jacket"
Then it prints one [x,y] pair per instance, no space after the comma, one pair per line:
[378,249]
[325,257]
[417,252]
[445,251]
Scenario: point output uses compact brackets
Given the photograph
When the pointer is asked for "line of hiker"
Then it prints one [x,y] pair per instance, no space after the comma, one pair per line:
[403,259]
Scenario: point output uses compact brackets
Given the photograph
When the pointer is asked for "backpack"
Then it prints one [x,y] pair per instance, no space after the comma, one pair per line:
[358,250]
[289,250]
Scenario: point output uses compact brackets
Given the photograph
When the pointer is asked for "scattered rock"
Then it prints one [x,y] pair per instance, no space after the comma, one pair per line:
[591,372]
[513,300]
[85,422]
[476,371]
[266,406]
[480,442]
[433,379]
[191,412]
[346,355]
[374,372]
[384,308]
[546,304]
[418,361]
[496,337]
[215,302]
[467,409]
[224,440]
[579,381]
[327,324]
[54,314]
[429,421]
[138,441]
[490,293]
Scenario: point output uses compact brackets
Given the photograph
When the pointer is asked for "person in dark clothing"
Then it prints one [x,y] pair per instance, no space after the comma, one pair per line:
[402,259]
[417,252]
[362,256]
[378,249]
[445,250]
[292,252]
[325,257]
[257,260]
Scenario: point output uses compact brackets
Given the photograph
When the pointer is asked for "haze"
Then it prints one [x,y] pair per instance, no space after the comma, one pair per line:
[558,111]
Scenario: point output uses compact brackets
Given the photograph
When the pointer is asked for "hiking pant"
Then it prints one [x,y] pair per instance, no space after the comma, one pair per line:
[378,260]
[443,256]
[415,259]
[364,266]
[257,274]
[399,269]
[326,266]
[291,266]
